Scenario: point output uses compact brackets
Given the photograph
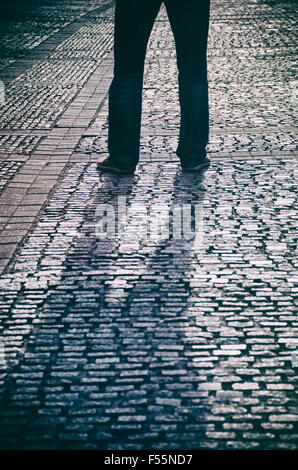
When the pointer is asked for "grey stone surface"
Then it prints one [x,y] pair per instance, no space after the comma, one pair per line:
[252,68]
[25,26]
[139,343]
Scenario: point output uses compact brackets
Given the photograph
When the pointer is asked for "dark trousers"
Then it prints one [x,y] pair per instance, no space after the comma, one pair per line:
[134,20]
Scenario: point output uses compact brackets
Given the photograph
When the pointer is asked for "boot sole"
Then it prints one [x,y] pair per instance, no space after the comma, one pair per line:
[115,169]
[198,167]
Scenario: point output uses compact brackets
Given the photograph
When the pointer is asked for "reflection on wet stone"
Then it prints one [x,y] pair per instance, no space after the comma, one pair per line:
[155,343]
[186,339]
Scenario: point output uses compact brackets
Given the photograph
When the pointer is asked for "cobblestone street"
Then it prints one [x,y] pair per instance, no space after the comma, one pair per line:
[134,342]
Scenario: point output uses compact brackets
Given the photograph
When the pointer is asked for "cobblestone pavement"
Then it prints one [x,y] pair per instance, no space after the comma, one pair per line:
[24,26]
[138,342]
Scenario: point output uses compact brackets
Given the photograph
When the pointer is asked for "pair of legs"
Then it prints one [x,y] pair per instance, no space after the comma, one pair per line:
[134,20]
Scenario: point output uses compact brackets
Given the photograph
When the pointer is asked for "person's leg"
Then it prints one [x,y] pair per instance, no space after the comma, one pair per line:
[190,24]
[134,20]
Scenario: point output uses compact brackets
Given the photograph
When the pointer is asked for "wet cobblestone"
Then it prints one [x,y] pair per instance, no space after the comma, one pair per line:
[23,27]
[247,64]
[231,144]
[145,344]
[14,144]
[7,171]
[53,83]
